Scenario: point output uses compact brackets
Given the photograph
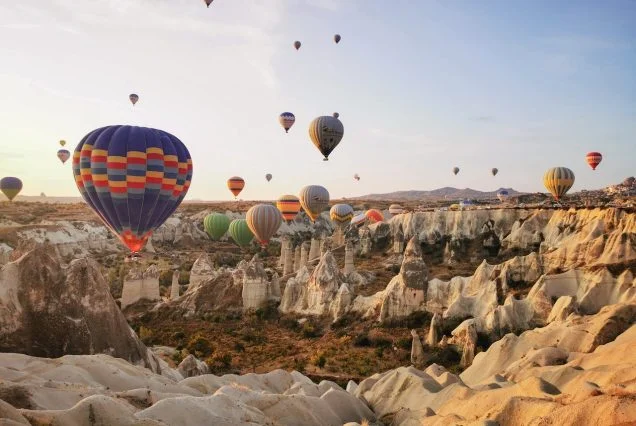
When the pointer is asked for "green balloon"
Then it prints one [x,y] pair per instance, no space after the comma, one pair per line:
[216,225]
[240,232]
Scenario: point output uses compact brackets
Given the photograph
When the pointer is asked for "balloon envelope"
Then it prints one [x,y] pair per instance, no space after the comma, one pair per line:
[494,171]
[326,133]
[359,219]
[240,232]
[502,195]
[208,2]
[62,142]
[287,120]
[558,180]
[133,177]
[63,155]
[216,225]
[336,38]
[593,159]
[235,184]
[356,176]
[341,214]
[264,221]
[133,98]
[268,176]
[289,206]
[374,215]
[396,209]
[313,199]
[297,44]
[336,115]
[455,170]
[10,186]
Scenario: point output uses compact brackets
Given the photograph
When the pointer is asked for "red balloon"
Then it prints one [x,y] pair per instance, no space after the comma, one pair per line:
[374,215]
[593,159]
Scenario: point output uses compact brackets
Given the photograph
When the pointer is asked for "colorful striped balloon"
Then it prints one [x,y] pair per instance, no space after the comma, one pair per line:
[558,180]
[264,221]
[63,155]
[240,232]
[314,199]
[235,184]
[395,209]
[326,132]
[341,214]
[134,178]
[374,215]
[10,186]
[358,219]
[287,120]
[289,206]
[593,159]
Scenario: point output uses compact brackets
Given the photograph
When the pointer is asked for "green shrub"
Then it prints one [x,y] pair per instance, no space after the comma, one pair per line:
[320,361]
[199,346]
[309,330]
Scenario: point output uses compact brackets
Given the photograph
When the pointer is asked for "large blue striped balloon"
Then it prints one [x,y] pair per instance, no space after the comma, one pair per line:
[134,178]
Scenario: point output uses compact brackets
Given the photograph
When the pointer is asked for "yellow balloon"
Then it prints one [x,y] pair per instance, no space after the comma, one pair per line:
[558,180]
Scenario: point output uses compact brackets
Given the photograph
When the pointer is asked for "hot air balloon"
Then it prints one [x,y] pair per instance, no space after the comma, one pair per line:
[287,120]
[593,159]
[297,44]
[494,171]
[558,180]
[133,98]
[289,206]
[208,2]
[336,38]
[341,214]
[133,177]
[63,155]
[395,209]
[455,170]
[336,115]
[240,232]
[268,176]
[466,203]
[263,220]
[356,176]
[216,225]
[374,215]
[313,199]
[62,142]
[502,195]
[10,186]
[359,219]
[326,133]
[235,184]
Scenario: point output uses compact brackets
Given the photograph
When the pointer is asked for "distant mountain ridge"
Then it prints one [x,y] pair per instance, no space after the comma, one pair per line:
[441,193]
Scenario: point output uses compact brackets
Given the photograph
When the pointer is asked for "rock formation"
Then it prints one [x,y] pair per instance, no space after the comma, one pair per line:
[406,292]
[105,390]
[575,372]
[304,254]
[349,267]
[288,265]
[417,351]
[140,286]
[432,338]
[297,259]
[256,286]
[50,311]
[220,291]
[191,367]
[202,270]
[314,250]
[174,289]
[179,231]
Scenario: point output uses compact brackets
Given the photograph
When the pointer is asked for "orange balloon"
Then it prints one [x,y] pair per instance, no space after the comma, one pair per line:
[236,185]
[374,215]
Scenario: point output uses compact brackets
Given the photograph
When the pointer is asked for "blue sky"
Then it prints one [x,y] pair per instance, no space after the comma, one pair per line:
[421,86]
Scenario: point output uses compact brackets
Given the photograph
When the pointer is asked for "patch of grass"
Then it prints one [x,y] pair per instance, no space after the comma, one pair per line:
[200,346]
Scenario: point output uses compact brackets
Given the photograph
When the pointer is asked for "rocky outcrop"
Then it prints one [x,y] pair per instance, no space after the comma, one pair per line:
[140,286]
[417,350]
[578,372]
[256,286]
[191,367]
[105,390]
[179,231]
[50,311]
[202,270]
[406,292]
[220,291]
[175,287]
[323,291]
